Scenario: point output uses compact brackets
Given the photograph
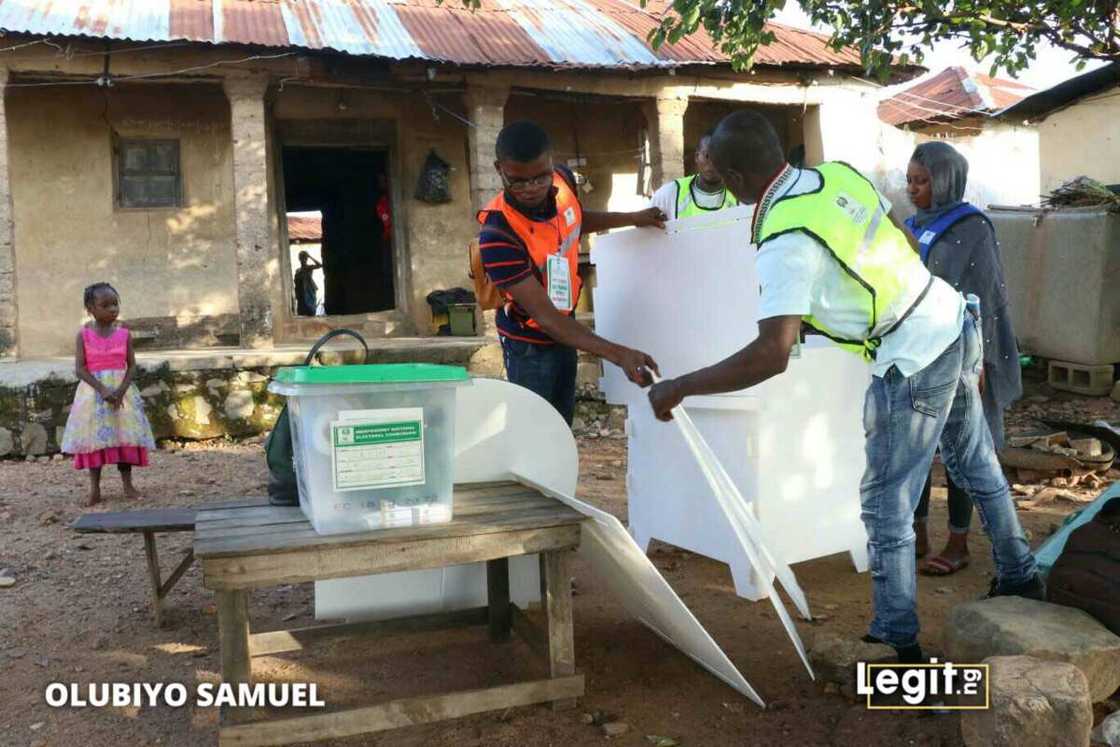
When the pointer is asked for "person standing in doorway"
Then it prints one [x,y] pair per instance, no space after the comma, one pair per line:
[958,244]
[529,242]
[307,292]
[833,255]
[703,192]
[384,210]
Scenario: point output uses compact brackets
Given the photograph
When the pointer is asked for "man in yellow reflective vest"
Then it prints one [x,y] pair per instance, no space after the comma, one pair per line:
[833,255]
[701,193]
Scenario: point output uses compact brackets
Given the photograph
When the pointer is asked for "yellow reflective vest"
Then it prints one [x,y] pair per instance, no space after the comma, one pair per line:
[886,276]
[686,204]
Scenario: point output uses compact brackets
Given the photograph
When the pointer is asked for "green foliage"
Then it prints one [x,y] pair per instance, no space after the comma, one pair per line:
[893,32]
[887,32]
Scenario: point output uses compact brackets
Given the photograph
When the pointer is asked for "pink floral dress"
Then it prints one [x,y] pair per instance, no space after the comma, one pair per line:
[97,433]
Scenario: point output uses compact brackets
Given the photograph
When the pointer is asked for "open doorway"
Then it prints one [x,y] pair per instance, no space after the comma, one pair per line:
[348,191]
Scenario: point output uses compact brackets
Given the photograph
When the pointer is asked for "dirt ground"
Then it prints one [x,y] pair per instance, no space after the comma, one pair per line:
[79,613]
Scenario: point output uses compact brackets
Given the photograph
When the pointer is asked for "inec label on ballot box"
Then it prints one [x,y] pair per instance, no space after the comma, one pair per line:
[378,448]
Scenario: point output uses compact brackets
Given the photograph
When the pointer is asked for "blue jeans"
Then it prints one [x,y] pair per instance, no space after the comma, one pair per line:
[960,503]
[905,420]
[548,370]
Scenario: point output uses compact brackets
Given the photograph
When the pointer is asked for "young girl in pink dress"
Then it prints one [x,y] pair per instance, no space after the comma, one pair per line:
[107,423]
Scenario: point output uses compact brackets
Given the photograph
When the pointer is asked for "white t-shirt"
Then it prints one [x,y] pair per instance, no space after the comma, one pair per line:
[799,277]
[666,199]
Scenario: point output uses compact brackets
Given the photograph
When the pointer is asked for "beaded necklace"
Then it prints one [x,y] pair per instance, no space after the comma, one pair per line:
[767,200]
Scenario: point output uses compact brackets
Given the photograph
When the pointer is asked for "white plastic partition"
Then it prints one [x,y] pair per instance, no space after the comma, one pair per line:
[793,446]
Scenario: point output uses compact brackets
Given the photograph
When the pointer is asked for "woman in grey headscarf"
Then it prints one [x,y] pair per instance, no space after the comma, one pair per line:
[958,244]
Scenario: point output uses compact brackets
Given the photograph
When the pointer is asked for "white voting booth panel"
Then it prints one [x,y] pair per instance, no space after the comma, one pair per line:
[687,295]
[793,445]
[506,432]
[645,593]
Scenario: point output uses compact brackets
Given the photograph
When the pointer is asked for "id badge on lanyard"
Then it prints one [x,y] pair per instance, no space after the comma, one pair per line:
[560,282]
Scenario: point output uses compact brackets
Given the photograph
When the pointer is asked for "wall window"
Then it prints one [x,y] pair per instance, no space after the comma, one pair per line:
[148,173]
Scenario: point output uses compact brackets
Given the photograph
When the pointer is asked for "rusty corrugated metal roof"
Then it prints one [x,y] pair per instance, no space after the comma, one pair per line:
[796,46]
[551,33]
[791,45]
[954,93]
[305,227]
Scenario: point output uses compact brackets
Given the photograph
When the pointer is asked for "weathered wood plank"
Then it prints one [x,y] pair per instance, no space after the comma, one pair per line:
[233,635]
[152,558]
[184,564]
[474,492]
[497,595]
[529,631]
[297,537]
[561,643]
[316,563]
[124,522]
[398,713]
[152,519]
[287,641]
[484,485]
[470,496]
[242,502]
[258,525]
[250,524]
[248,516]
[280,514]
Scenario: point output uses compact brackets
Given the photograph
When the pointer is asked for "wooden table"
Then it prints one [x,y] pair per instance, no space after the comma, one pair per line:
[148,522]
[246,548]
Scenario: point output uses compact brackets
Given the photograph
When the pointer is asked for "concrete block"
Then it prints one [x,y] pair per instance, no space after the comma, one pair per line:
[1094,381]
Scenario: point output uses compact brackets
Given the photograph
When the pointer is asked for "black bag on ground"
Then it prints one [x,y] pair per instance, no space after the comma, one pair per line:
[282,487]
[1087,573]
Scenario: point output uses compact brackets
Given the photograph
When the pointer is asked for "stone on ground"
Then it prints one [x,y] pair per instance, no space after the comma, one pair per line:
[1013,626]
[1034,703]
[834,657]
[1109,731]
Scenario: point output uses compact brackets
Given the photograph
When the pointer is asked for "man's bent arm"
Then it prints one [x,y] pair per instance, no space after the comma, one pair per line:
[529,294]
[765,357]
[594,221]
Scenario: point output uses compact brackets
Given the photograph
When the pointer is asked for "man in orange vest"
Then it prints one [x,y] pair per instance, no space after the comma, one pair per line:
[529,242]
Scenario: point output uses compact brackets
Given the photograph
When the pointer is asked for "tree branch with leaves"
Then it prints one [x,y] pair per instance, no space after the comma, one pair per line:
[894,32]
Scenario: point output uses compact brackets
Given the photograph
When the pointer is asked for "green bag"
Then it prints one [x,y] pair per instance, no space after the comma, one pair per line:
[282,487]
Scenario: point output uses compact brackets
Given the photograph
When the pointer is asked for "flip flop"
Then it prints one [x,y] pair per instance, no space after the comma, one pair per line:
[939,566]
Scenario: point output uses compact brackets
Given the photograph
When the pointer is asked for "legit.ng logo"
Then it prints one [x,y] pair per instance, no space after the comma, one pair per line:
[928,687]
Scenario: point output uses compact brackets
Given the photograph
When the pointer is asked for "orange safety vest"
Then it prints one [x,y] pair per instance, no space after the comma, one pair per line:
[545,238]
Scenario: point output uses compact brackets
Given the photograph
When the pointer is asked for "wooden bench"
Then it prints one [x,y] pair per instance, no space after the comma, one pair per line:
[148,522]
[248,548]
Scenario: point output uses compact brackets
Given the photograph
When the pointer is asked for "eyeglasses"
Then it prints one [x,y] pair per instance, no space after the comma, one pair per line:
[522,185]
